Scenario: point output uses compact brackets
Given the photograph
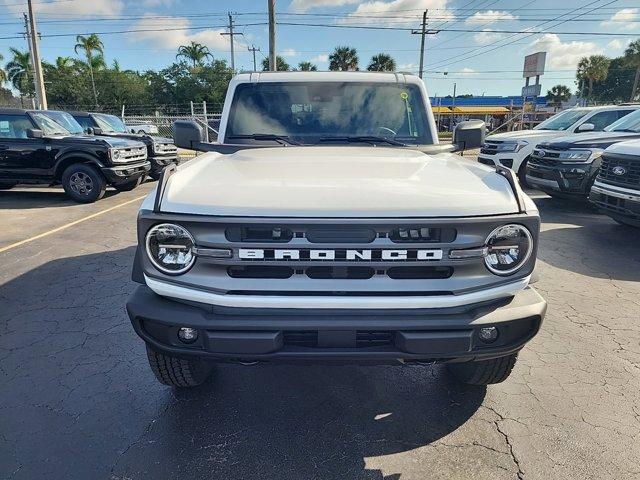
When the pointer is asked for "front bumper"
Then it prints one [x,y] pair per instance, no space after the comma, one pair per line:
[123,173]
[571,179]
[160,161]
[297,335]
[617,202]
[504,159]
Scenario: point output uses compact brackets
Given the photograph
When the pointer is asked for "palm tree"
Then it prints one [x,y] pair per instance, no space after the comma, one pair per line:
[89,45]
[343,59]
[281,64]
[558,94]
[593,69]
[307,67]
[65,63]
[632,53]
[19,71]
[382,63]
[195,52]
[3,74]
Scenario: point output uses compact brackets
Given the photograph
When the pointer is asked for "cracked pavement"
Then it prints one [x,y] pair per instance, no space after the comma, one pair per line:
[79,401]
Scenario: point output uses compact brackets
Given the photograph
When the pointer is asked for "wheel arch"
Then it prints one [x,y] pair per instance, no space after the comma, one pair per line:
[70,158]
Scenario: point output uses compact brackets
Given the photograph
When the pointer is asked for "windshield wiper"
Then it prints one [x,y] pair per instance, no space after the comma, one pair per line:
[282,139]
[630,130]
[362,139]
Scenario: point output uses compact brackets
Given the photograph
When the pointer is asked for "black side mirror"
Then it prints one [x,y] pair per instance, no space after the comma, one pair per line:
[187,134]
[89,131]
[469,135]
[97,131]
[34,133]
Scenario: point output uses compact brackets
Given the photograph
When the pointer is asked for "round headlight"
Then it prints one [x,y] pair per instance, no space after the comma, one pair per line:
[170,248]
[115,154]
[508,248]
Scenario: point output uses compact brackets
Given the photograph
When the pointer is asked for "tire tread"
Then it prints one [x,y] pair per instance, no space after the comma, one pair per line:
[177,372]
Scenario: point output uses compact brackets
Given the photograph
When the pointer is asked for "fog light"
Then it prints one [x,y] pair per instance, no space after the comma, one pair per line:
[187,335]
[488,334]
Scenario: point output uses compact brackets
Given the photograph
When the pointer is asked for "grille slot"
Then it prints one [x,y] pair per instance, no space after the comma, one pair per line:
[301,338]
[419,273]
[349,273]
[269,233]
[341,235]
[363,338]
[260,271]
[422,234]
[373,338]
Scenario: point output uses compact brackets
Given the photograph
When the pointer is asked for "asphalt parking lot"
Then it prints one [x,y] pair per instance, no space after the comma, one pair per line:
[78,400]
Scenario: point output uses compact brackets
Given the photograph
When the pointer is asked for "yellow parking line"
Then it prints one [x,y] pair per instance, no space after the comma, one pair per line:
[63,227]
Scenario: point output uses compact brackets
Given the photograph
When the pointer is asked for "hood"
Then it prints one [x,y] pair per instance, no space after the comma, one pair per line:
[113,142]
[631,147]
[589,140]
[525,135]
[146,139]
[337,182]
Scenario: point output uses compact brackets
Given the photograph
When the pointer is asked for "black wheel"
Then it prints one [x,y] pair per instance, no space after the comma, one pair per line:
[484,372]
[7,185]
[522,173]
[177,372]
[128,185]
[83,183]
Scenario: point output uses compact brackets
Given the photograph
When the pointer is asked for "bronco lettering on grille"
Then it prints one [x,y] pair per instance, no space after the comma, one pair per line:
[338,254]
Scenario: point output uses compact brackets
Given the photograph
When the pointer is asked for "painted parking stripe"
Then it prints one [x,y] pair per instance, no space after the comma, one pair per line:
[64,227]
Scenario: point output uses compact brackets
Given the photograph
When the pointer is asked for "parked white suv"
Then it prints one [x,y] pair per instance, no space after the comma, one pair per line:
[512,149]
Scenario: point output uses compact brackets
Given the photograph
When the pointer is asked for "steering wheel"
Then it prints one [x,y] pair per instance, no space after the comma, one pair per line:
[387,130]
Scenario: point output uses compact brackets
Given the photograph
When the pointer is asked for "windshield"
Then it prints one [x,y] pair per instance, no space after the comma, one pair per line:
[309,112]
[563,120]
[48,125]
[628,123]
[65,120]
[109,123]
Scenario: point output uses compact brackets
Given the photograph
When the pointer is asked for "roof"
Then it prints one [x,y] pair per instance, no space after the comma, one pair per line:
[12,111]
[357,76]
[78,113]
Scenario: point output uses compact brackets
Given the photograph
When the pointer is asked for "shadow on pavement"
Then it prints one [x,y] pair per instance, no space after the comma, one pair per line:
[79,400]
[24,198]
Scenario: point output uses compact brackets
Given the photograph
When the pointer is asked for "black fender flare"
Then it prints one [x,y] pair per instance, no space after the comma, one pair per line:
[85,157]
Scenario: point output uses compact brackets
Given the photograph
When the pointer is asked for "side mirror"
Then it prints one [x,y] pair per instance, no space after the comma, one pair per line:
[34,133]
[586,127]
[97,131]
[187,134]
[469,135]
[89,131]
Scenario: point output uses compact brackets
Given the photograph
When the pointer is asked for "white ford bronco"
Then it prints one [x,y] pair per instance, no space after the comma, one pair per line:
[327,224]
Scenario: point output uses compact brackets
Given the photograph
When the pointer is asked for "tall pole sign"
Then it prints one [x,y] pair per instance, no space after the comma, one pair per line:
[533,67]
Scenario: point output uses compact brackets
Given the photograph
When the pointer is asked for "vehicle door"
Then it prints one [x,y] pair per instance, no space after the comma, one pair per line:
[601,119]
[18,154]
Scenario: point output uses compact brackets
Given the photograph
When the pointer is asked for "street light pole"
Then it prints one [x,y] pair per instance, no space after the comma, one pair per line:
[273,66]
[253,49]
[41,95]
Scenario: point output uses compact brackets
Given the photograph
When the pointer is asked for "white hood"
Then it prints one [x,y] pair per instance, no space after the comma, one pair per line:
[332,181]
[527,135]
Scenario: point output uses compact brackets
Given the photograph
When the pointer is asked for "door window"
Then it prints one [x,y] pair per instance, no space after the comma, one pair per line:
[14,126]
[603,119]
[85,122]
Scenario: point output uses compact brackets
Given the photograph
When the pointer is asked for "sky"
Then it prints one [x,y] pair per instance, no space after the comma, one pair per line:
[475,43]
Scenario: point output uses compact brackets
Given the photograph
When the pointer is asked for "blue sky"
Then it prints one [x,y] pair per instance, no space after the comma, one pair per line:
[483,60]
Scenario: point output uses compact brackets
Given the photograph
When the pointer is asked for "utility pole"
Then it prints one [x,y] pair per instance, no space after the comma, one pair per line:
[253,49]
[41,95]
[273,66]
[231,33]
[423,32]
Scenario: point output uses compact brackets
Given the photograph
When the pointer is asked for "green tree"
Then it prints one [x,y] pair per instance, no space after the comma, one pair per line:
[632,54]
[343,59]
[89,45]
[307,67]
[195,52]
[19,72]
[558,94]
[617,86]
[281,64]
[593,69]
[382,63]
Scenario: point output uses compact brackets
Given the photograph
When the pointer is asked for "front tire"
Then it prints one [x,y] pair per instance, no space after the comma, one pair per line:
[83,183]
[522,173]
[128,185]
[177,372]
[484,372]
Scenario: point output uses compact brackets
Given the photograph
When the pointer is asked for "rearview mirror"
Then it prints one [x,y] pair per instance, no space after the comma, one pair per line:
[187,134]
[34,133]
[469,135]
[586,127]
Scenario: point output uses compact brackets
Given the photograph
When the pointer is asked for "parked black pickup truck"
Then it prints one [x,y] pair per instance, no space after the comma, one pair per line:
[35,149]
[568,166]
[160,150]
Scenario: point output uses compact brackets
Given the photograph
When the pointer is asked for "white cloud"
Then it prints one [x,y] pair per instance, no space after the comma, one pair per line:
[70,7]
[467,72]
[617,46]
[488,17]
[563,55]
[157,3]
[487,36]
[301,6]
[289,52]
[369,12]
[623,19]
[177,33]
[322,58]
